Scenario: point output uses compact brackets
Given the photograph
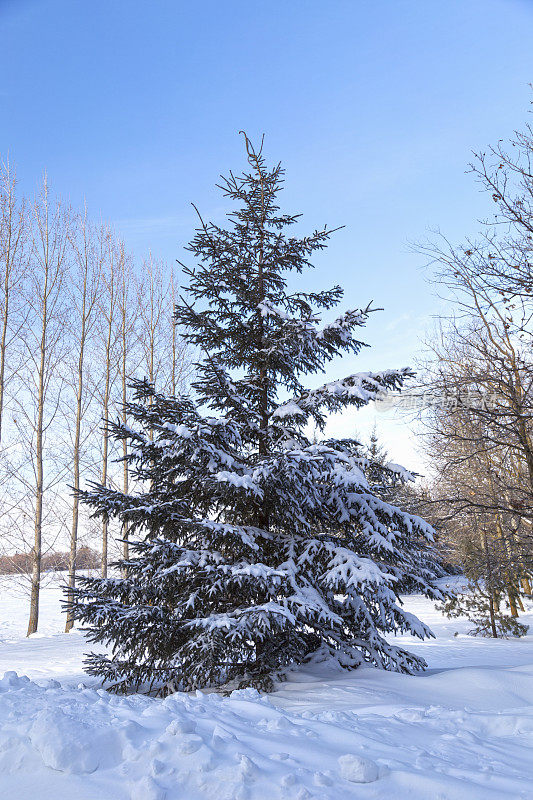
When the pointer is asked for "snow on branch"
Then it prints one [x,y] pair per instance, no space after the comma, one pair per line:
[357,389]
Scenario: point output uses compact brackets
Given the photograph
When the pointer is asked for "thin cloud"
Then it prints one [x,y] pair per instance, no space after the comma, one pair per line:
[397,321]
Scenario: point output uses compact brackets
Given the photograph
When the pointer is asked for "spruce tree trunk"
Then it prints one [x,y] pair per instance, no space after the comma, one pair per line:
[104,548]
[263,448]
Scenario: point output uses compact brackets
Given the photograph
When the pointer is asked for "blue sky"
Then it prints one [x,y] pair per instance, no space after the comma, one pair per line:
[374,108]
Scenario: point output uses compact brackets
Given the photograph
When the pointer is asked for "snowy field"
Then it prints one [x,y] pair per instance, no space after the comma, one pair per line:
[461,731]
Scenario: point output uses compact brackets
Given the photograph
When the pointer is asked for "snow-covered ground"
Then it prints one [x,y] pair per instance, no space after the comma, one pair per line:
[461,731]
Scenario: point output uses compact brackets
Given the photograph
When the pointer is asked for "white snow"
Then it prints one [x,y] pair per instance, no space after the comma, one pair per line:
[461,731]
[358,770]
[289,409]
[239,481]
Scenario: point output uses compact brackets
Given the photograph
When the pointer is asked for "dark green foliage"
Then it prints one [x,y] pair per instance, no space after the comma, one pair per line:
[253,547]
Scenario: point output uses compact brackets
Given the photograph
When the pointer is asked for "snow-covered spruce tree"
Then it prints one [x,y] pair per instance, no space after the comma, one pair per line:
[253,549]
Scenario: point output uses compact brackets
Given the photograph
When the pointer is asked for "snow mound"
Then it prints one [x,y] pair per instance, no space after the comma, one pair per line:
[183,746]
[461,731]
[69,744]
[358,770]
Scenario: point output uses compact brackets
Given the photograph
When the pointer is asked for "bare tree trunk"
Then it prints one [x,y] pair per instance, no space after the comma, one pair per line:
[76,460]
[492,617]
[512,603]
[49,252]
[88,292]
[125,335]
[37,546]
[105,452]
[110,319]
[509,577]
[173,377]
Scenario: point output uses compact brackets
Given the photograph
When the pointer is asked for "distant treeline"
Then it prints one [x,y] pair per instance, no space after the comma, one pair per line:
[21,563]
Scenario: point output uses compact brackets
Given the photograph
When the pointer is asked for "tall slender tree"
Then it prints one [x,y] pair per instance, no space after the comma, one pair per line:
[108,334]
[254,548]
[84,289]
[128,318]
[45,297]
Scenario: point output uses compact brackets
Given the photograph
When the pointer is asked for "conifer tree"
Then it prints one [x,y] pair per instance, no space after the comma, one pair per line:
[383,478]
[252,547]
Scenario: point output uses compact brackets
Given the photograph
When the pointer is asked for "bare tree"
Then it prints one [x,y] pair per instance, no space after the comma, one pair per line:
[128,309]
[84,288]
[43,335]
[107,311]
[483,361]
[474,441]
[149,338]
[74,316]
[482,540]
[504,251]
